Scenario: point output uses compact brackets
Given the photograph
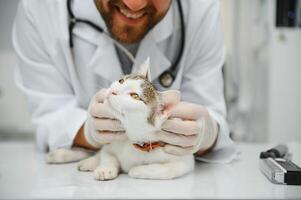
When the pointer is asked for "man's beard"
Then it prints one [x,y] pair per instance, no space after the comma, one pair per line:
[126,33]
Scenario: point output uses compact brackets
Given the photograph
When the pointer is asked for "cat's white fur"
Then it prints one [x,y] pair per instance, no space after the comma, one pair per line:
[156,164]
[122,156]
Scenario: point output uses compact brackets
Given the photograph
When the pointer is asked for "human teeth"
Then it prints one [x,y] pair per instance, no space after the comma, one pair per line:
[130,15]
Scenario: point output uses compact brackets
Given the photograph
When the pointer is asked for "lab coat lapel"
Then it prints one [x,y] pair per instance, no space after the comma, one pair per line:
[149,46]
[104,61]
[88,11]
[63,27]
[158,61]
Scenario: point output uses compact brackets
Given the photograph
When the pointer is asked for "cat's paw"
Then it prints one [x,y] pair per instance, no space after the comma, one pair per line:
[88,164]
[103,173]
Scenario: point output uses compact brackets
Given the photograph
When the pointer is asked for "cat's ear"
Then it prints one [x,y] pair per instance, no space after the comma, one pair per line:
[144,69]
[169,99]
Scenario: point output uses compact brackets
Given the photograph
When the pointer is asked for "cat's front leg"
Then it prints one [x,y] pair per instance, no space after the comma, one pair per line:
[168,170]
[89,164]
[108,168]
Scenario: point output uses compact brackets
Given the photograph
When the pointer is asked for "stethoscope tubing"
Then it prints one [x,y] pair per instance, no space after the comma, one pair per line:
[169,73]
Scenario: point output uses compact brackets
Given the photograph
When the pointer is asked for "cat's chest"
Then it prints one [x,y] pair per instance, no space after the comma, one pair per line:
[129,156]
[140,131]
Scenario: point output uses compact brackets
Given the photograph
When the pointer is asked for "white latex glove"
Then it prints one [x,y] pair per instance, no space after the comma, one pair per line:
[101,127]
[189,129]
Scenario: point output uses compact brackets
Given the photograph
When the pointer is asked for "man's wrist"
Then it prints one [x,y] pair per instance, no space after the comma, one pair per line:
[208,137]
[89,134]
[202,152]
[81,141]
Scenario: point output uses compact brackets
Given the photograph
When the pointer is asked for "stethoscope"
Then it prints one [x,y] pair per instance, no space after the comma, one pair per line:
[167,78]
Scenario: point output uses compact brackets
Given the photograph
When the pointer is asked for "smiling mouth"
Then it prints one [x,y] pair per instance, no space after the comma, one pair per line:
[130,15]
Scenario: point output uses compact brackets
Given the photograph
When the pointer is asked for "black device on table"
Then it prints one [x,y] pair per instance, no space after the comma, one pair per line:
[279,169]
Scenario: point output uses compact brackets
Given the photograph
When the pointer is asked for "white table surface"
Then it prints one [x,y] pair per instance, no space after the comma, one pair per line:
[24,174]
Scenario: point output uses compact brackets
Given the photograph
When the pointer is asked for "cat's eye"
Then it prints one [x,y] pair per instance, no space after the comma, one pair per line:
[121,81]
[135,96]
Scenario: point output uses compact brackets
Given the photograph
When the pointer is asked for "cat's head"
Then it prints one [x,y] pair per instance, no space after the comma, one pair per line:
[134,97]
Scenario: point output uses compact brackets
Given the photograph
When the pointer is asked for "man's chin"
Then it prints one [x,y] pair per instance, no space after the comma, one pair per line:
[127,37]
[126,40]
[127,33]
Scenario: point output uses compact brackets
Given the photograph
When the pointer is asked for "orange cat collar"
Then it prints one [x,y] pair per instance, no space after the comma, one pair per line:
[146,147]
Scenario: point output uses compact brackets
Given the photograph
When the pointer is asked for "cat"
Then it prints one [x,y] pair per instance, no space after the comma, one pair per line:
[142,110]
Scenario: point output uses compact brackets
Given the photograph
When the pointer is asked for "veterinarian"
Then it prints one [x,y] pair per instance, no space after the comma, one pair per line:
[64,62]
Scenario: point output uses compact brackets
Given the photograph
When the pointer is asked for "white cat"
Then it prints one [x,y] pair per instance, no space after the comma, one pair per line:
[142,110]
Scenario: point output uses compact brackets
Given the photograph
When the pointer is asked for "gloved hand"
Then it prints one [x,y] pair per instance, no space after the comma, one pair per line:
[189,129]
[101,127]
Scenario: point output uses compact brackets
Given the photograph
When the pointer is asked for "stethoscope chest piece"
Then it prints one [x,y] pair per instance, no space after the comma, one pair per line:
[166,79]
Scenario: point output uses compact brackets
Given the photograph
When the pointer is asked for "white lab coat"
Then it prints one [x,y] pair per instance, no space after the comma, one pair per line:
[59,83]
